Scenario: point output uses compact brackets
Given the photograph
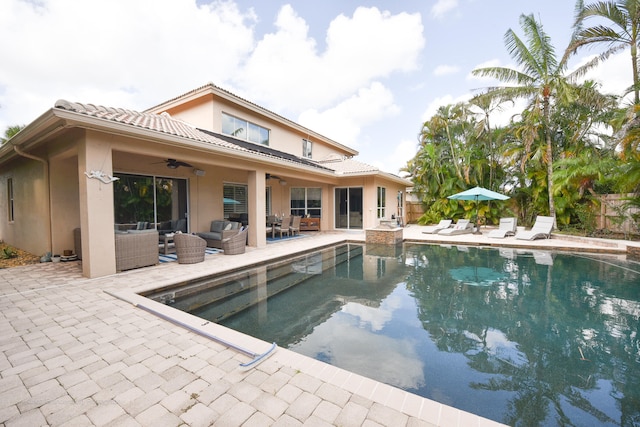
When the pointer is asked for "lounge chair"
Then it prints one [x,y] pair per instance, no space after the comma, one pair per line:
[541,229]
[463,226]
[445,223]
[507,228]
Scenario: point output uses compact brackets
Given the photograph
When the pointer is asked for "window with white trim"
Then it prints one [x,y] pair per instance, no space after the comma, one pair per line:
[306,201]
[243,129]
[306,148]
[382,202]
[11,213]
[235,199]
[267,196]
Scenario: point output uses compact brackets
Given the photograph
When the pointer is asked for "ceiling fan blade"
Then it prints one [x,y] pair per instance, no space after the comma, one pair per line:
[173,163]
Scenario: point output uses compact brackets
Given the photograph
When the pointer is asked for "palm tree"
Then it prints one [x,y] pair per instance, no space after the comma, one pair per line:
[540,80]
[484,131]
[624,32]
[10,132]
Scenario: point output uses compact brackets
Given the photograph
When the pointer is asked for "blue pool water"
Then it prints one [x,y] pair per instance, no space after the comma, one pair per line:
[525,338]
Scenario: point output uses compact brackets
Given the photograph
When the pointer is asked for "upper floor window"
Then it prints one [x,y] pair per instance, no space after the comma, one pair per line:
[10,199]
[243,129]
[306,148]
[382,202]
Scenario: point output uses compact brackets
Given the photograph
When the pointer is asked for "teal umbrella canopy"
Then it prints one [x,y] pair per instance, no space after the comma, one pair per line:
[478,193]
[228,201]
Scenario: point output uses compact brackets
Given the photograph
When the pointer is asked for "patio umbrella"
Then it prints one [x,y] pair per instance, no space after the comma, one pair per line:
[476,276]
[228,201]
[477,194]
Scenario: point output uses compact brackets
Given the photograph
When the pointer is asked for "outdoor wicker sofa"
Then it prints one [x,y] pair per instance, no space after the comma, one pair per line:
[136,248]
[220,229]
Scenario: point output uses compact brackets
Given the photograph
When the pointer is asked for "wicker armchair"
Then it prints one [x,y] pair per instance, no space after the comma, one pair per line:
[236,244]
[189,248]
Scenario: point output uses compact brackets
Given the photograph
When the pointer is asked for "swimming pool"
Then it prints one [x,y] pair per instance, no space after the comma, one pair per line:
[521,337]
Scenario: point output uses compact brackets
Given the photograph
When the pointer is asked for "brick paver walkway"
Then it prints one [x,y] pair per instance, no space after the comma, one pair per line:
[72,354]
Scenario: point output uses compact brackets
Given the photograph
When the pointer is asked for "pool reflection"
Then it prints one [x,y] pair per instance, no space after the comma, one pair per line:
[521,337]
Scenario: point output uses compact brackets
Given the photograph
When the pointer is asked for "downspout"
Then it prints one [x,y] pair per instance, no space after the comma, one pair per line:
[47,187]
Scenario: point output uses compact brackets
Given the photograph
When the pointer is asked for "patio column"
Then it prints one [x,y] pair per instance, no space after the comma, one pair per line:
[257,208]
[96,207]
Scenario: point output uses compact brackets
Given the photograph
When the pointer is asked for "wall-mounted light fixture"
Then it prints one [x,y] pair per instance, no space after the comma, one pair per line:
[280,180]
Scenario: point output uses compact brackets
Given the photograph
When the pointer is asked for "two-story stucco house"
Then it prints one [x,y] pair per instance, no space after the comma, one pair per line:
[205,155]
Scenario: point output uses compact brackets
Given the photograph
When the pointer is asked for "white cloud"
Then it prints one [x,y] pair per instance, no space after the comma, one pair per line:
[401,154]
[443,70]
[432,108]
[487,64]
[614,74]
[442,7]
[344,121]
[114,52]
[287,71]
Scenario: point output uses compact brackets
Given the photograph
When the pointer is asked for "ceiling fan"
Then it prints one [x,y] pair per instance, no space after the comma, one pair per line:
[174,164]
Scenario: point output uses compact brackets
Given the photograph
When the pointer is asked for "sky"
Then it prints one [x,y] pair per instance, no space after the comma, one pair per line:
[366,74]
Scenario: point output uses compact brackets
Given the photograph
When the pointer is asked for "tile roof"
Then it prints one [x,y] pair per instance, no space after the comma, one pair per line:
[348,165]
[159,123]
[164,123]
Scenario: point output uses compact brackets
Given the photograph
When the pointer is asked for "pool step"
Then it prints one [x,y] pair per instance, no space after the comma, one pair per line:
[220,297]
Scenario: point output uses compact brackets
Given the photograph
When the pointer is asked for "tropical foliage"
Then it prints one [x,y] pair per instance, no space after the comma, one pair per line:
[10,132]
[569,143]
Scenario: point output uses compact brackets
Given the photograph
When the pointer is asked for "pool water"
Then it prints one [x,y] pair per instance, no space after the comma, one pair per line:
[521,337]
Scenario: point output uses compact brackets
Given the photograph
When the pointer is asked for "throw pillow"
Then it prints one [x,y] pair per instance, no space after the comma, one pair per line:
[228,227]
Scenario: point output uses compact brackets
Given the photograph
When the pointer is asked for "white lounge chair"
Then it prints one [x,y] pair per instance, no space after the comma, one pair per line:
[506,228]
[541,229]
[445,223]
[463,226]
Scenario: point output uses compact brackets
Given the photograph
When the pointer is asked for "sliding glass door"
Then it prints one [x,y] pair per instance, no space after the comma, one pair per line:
[348,208]
[152,200]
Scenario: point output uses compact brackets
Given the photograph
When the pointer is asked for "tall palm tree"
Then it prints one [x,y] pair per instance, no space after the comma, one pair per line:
[624,32]
[446,117]
[540,79]
[483,130]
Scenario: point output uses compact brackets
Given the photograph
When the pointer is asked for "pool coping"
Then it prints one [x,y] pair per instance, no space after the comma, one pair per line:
[389,396]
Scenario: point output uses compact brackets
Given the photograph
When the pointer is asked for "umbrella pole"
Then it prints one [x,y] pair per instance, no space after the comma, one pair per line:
[477,219]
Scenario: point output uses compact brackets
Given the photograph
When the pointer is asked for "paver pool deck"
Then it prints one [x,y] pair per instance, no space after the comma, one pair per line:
[79,352]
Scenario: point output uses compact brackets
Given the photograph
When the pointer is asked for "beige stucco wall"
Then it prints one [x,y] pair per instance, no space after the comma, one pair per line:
[30,230]
[206,112]
[65,204]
